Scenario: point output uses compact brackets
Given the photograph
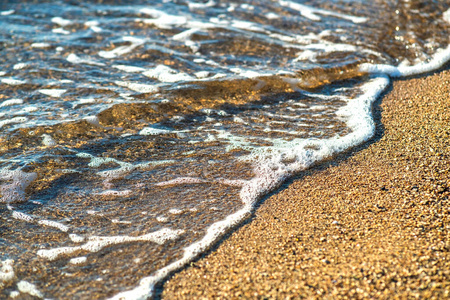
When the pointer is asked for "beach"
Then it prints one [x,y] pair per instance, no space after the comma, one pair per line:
[370,223]
[216,149]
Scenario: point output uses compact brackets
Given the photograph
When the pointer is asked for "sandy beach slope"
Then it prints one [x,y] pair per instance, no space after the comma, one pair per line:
[373,223]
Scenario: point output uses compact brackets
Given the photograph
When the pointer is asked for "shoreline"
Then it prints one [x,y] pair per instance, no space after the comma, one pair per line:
[370,223]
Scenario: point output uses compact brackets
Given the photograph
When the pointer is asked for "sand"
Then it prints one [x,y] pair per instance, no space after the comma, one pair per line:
[372,223]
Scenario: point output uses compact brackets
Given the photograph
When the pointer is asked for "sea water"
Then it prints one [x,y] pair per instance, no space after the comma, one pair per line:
[134,134]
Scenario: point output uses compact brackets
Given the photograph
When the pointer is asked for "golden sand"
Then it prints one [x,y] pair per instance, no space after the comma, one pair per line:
[373,223]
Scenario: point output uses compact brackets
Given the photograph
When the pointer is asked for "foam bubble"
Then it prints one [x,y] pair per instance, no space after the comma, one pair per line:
[161,219]
[249,73]
[139,87]
[52,92]
[29,288]
[11,102]
[76,238]
[14,294]
[247,26]
[130,69]
[446,16]
[193,5]
[6,271]
[120,222]
[61,31]
[175,211]
[75,59]
[92,120]
[93,25]
[12,81]
[272,16]
[20,66]
[135,42]
[54,224]
[201,74]
[48,140]
[78,260]
[22,216]
[15,120]
[61,22]
[7,12]
[154,131]
[165,74]
[162,19]
[84,101]
[15,191]
[185,35]
[40,45]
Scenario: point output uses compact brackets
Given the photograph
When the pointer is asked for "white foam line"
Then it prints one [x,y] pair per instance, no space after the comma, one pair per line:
[96,243]
[438,60]
[267,179]
[145,288]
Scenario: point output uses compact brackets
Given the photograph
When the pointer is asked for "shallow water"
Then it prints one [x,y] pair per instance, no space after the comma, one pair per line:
[134,135]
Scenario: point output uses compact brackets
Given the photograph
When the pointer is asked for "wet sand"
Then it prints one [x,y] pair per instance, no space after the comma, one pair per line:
[373,223]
